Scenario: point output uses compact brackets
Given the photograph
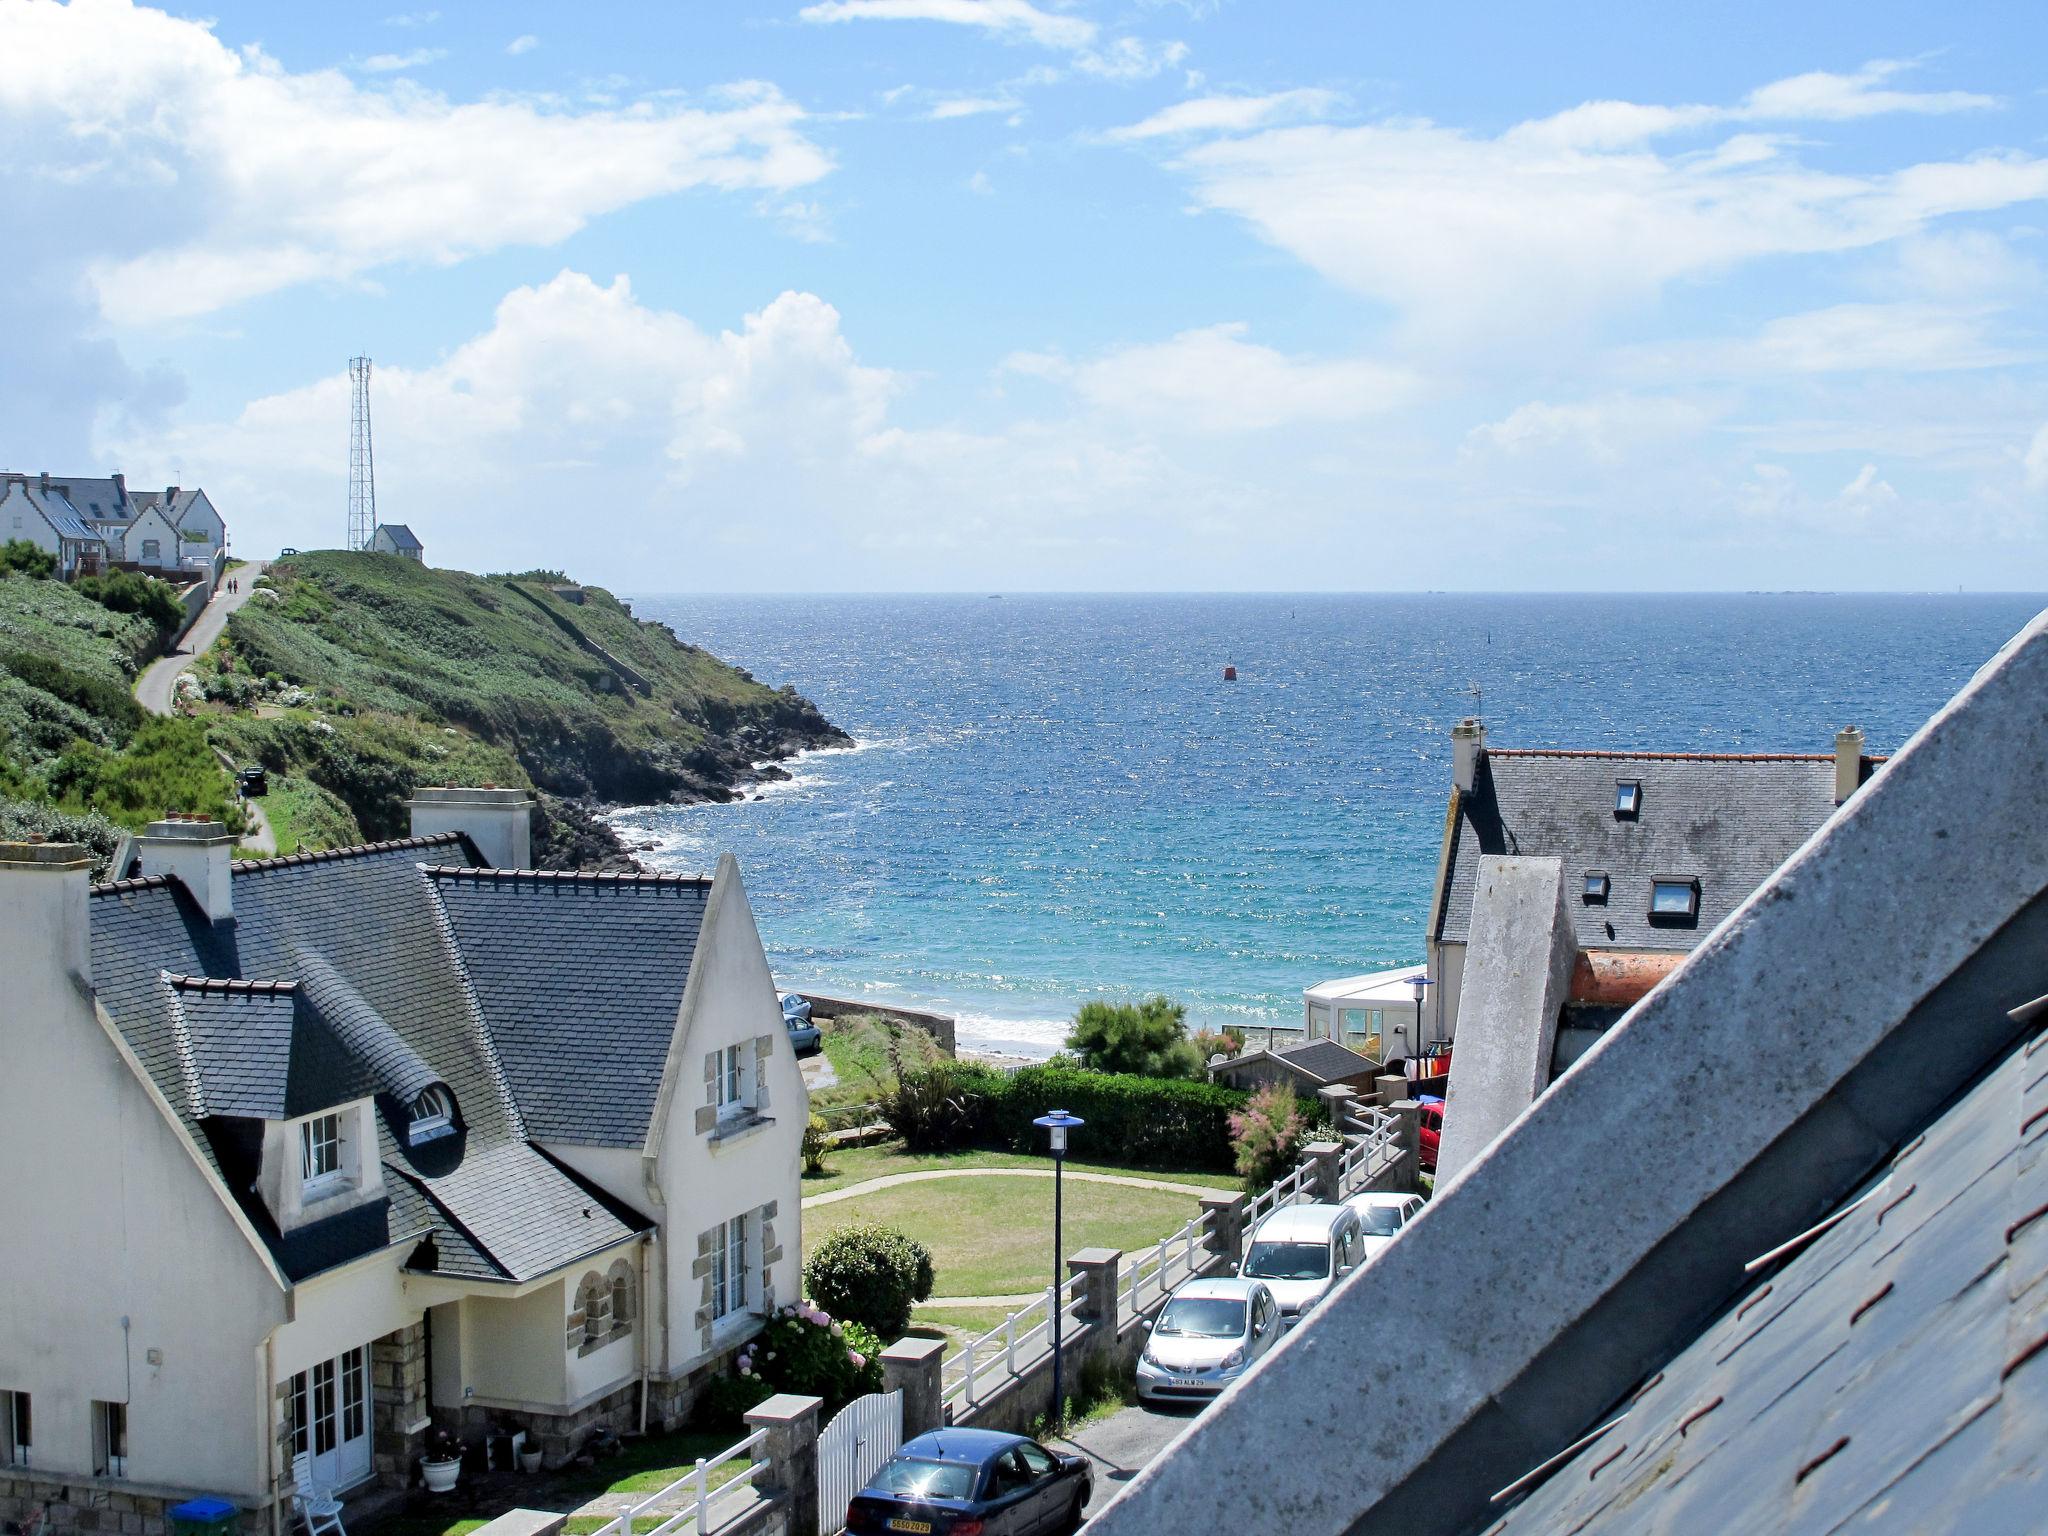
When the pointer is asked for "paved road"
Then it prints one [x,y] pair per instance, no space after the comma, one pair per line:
[1121,1445]
[159,681]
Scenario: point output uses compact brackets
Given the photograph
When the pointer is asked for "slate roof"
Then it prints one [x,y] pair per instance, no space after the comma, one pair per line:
[401,537]
[1324,1060]
[571,969]
[1879,1377]
[92,497]
[377,980]
[1727,820]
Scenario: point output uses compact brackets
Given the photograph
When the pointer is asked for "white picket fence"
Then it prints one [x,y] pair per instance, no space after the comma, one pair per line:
[698,1516]
[851,1449]
[983,1364]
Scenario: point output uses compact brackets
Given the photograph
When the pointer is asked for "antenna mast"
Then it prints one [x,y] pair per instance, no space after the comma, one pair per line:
[362,464]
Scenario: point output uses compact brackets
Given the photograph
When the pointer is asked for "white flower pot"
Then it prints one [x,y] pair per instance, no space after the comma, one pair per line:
[440,1475]
[530,1460]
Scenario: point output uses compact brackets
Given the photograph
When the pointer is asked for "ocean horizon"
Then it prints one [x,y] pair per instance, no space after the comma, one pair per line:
[1056,797]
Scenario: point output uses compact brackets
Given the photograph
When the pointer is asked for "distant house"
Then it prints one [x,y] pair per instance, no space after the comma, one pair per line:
[172,531]
[1307,1068]
[1571,882]
[41,515]
[306,1154]
[1377,1012]
[397,539]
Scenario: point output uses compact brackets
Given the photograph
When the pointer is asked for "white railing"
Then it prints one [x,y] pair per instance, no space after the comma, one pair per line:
[1006,1350]
[695,1484]
[1178,1257]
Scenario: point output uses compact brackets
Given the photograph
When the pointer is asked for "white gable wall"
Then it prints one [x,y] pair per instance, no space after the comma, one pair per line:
[153,525]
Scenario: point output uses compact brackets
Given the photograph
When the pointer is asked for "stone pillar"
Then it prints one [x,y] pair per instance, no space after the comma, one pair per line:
[1337,1099]
[1325,1176]
[1226,1228]
[398,1402]
[1097,1269]
[791,1452]
[1390,1089]
[912,1366]
[1408,1142]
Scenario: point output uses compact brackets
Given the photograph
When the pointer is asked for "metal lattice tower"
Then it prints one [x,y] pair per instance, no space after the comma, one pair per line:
[362,464]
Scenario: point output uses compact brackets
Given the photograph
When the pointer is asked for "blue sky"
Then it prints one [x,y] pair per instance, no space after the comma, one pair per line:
[1007,294]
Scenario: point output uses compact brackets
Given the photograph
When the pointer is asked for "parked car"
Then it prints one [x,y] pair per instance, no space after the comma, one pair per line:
[796,1017]
[1301,1252]
[1205,1336]
[252,782]
[1432,1133]
[973,1482]
[1380,1216]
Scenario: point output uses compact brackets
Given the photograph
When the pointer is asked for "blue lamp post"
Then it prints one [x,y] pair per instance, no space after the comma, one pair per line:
[1421,983]
[1057,1124]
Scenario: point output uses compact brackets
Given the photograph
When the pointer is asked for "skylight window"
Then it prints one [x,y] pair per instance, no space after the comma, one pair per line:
[1596,885]
[433,1115]
[1628,796]
[1674,897]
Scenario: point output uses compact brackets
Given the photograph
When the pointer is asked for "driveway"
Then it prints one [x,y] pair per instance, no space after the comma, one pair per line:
[1120,1446]
[159,681]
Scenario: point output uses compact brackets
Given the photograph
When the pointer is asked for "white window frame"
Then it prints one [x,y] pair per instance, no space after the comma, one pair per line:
[734,1082]
[433,1115]
[1685,885]
[730,1273]
[109,1439]
[316,1174]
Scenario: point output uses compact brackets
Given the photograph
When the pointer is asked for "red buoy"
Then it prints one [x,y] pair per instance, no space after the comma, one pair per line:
[1230,674]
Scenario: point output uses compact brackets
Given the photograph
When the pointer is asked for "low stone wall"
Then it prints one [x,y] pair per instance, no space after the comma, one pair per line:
[938,1025]
[98,1506]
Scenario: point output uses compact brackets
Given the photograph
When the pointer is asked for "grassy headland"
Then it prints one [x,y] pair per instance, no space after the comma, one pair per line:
[354,677]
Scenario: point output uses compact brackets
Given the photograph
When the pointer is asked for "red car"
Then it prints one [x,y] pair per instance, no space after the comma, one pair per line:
[1432,1132]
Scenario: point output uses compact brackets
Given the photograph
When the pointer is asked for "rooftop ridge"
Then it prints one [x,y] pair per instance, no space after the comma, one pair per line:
[1677,757]
[327,855]
[596,877]
[135,883]
[229,984]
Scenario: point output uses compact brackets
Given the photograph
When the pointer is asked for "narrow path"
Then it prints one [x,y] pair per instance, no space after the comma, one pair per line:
[157,686]
[1121,1446]
[888,1181]
[259,839]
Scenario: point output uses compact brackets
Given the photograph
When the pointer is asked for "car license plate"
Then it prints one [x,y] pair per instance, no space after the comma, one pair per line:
[916,1527]
[1188,1383]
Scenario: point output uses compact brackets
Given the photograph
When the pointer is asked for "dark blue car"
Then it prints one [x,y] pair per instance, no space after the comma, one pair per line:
[973,1482]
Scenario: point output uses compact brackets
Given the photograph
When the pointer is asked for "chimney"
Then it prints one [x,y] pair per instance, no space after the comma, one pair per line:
[45,478]
[170,497]
[46,939]
[1468,745]
[1848,762]
[198,853]
[498,821]
[120,489]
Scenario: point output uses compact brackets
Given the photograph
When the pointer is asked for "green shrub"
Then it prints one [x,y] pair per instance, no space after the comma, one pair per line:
[815,1145]
[802,1350]
[96,696]
[19,556]
[132,592]
[1148,1038]
[1142,1121]
[870,1274]
[166,767]
[1266,1134]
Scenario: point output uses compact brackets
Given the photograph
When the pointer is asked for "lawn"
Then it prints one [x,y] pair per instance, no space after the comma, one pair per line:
[993,1236]
[856,1165]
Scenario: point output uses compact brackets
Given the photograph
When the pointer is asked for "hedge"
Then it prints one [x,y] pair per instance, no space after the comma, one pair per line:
[1146,1122]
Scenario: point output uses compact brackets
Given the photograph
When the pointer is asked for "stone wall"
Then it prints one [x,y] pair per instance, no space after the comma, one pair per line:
[938,1025]
[96,1506]
[398,1403]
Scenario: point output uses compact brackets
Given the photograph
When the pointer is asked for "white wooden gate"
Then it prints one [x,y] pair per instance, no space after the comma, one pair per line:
[861,1436]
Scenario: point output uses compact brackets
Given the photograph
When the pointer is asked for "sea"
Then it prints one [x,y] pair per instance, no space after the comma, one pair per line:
[1058,798]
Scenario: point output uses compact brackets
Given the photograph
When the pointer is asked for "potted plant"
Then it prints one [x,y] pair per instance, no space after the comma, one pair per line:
[442,1464]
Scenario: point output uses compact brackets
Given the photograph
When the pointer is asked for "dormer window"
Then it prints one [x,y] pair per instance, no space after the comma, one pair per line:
[320,1153]
[1596,885]
[1674,896]
[433,1116]
[1628,797]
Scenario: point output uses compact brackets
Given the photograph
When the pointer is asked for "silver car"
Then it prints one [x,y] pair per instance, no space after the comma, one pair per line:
[1205,1336]
[1301,1252]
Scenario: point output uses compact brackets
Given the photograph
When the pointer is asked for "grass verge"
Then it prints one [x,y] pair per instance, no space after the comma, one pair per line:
[856,1165]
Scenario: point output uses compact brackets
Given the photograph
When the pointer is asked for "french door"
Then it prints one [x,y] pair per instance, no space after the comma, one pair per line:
[331,1419]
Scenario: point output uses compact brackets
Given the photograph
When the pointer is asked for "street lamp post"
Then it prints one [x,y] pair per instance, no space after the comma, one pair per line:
[1057,1124]
[1420,983]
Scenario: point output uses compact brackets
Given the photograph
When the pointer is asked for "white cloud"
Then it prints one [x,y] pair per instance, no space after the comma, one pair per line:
[2035,463]
[1008,18]
[237,177]
[1213,380]
[393,63]
[1865,495]
[411,19]
[969,106]
[1226,114]
[526,42]
[1605,430]
[980,185]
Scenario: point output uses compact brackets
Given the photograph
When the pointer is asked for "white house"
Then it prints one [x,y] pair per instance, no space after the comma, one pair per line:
[397,539]
[201,531]
[310,1153]
[40,515]
[187,530]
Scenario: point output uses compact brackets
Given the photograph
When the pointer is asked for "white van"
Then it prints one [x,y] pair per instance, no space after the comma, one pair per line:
[1301,1252]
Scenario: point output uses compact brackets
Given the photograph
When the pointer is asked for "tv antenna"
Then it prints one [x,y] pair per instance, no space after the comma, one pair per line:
[362,464]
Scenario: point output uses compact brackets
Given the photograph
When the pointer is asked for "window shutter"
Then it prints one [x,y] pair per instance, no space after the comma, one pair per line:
[711,1078]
